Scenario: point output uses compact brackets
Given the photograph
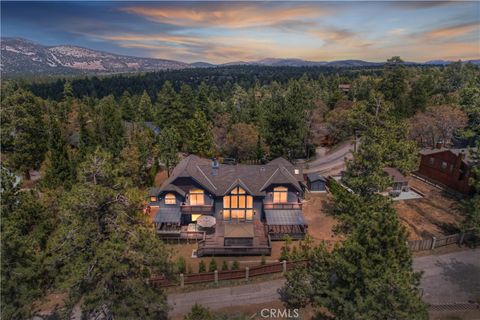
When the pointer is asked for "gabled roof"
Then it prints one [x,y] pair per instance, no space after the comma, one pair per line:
[314,176]
[395,174]
[253,178]
[456,152]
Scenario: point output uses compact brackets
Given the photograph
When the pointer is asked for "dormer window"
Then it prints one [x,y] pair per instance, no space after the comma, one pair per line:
[197,197]
[153,199]
[280,195]
[170,198]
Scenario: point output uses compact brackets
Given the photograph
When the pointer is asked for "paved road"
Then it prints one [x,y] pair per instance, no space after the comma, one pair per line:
[332,162]
[447,279]
[450,278]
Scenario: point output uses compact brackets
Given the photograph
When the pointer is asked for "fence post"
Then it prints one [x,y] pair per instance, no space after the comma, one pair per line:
[284,263]
[462,237]
[216,276]
[434,240]
[247,273]
[182,280]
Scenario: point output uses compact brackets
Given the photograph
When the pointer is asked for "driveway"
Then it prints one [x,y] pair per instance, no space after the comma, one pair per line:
[450,278]
[447,279]
[333,161]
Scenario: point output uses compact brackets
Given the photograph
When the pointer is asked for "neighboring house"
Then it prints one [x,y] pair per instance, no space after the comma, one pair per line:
[450,168]
[399,182]
[251,204]
[316,182]
[344,87]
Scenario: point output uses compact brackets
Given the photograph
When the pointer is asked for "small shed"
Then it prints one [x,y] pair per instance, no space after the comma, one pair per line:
[316,182]
[399,183]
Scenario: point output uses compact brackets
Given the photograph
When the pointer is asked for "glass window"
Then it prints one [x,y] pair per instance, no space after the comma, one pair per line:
[195,217]
[431,161]
[238,205]
[280,194]
[170,198]
[197,197]
[444,165]
[153,199]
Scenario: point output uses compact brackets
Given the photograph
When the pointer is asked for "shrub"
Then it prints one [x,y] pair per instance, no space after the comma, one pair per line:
[212,266]
[202,267]
[224,265]
[199,312]
[181,265]
[235,265]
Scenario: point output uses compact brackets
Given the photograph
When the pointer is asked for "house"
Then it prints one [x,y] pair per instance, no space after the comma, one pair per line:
[450,168]
[345,87]
[316,182]
[399,182]
[249,204]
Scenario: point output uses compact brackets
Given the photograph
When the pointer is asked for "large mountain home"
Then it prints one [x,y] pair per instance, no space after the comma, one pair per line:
[232,209]
[450,168]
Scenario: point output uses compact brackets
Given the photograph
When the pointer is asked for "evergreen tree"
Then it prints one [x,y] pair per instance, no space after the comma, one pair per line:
[104,251]
[166,112]
[59,167]
[109,127]
[23,131]
[168,144]
[127,109]
[199,135]
[145,108]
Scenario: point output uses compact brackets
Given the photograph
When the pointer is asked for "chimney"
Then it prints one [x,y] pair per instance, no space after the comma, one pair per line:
[439,145]
[215,166]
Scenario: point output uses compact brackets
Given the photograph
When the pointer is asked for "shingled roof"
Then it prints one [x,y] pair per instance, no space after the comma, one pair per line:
[219,181]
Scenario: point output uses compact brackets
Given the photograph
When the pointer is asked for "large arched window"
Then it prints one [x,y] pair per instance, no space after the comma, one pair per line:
[238,205]
[197,197]
[170,198]
[280,195]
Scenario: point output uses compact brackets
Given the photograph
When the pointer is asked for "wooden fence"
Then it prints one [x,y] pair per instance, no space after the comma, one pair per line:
[214,277]
[436,242]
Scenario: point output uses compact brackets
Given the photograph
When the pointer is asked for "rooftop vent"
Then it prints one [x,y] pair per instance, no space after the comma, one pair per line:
[262,169]
[297,171]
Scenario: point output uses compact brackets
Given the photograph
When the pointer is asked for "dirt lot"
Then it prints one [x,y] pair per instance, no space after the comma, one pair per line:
[434,215]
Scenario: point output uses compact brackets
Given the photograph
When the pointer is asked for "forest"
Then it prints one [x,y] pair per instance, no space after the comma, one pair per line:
[79,228]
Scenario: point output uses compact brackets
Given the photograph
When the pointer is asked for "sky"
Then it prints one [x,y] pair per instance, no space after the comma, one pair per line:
[220,32]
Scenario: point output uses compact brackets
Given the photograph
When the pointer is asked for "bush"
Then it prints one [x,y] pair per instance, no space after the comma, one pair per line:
[224,265]
[235,265]
[212,266]
[199,312]
[202,267]
[181,265]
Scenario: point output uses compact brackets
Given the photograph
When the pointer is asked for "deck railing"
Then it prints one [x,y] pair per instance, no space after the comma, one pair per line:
[185,207]
[286,205]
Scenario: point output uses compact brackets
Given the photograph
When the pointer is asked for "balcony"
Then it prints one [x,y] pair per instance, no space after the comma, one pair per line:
[282,205]
[187,208]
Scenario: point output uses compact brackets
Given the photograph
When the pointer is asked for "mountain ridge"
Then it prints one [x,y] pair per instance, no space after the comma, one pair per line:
[23,57]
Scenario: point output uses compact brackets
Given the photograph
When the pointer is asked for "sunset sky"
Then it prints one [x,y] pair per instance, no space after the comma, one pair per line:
[221,32]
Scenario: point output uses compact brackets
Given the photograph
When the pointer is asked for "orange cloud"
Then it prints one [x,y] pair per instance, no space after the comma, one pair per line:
[247,15]
[453,31]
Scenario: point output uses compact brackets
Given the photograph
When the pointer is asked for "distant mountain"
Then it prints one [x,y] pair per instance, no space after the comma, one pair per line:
[447,62]
[201,64]
[20,56]
[24,57]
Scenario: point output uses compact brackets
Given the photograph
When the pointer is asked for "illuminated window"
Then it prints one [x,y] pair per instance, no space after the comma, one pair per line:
[153,199]
[170,198]
[280,194]
[238,205]
[195,217]
[197,197]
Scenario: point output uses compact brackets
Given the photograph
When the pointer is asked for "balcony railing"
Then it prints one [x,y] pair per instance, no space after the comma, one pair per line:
[284,205]
[185,207]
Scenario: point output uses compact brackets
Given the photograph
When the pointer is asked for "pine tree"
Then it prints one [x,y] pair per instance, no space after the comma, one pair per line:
[127,109]
[199,135]
[104,251]
[59,169]
[23,131]
[168,144]
[109,126]
[145,108]
[166,113]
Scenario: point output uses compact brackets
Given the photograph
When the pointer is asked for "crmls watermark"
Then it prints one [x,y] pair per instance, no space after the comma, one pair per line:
[279,313]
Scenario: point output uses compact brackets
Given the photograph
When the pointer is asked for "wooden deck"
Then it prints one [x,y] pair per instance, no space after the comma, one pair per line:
[214,243]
